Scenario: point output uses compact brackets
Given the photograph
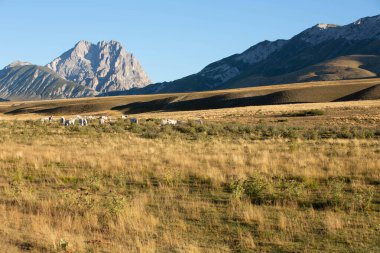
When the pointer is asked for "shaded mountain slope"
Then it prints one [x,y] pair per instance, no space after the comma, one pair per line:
[340,68]
[32,82]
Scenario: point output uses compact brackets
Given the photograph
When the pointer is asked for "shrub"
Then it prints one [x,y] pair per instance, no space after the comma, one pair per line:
[331,193]
[150,134]
[305,113]
[311,134]
[362,198]
[256,188]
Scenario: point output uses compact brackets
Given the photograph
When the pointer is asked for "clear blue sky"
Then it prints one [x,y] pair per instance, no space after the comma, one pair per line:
[171,38]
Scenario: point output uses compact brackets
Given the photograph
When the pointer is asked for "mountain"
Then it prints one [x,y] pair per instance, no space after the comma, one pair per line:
[21,80]
[103,67]
[339,68]
[322,52]
[85,70]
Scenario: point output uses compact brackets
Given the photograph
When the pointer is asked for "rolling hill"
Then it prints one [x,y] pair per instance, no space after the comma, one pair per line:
[310,92]
[340,68]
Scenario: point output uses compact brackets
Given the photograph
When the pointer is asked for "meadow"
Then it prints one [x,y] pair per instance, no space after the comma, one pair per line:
[291,178]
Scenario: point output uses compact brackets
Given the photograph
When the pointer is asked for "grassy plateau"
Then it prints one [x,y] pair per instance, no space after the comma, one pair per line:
[284,178]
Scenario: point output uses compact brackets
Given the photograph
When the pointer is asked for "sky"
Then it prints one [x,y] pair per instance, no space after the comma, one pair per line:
[170,38]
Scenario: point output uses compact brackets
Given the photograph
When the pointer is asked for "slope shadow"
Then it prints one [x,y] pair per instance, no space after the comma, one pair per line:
[302,95]
[149,106]
[23,110]
[214,102]
[67,109]
[370,93]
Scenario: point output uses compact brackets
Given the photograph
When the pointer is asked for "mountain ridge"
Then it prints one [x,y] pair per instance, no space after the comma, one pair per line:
[268,60]
[32,82]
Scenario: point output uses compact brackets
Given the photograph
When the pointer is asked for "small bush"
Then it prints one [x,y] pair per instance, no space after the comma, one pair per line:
[332,193]
[149,134]
[256,188]
[305,113]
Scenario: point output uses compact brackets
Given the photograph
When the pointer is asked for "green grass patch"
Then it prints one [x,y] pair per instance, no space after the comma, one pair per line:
[305,113]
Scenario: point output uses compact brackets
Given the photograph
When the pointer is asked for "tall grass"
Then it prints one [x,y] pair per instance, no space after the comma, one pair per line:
[189,188]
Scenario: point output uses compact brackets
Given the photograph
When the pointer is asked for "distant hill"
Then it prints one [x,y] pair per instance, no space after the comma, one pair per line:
[340,68]
[310,92]
[322,52]
[20,81]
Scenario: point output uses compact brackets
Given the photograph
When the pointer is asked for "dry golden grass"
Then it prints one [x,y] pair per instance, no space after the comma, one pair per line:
[97,190]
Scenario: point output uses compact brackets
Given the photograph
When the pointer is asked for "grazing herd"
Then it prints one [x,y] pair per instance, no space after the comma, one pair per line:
[84,121]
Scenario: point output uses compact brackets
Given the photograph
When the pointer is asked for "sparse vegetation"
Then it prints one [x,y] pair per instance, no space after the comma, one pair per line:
[152,129]
[306,113]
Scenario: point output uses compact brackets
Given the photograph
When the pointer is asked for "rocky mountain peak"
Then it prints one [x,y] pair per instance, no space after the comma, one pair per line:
[112,43]
[83,43]
[81,48]
[18,64]
[105,66]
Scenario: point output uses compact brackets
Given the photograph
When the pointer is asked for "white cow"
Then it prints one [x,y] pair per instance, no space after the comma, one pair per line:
[124,116]
[44,119]
[102,121]
[169,122]
[62,121]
